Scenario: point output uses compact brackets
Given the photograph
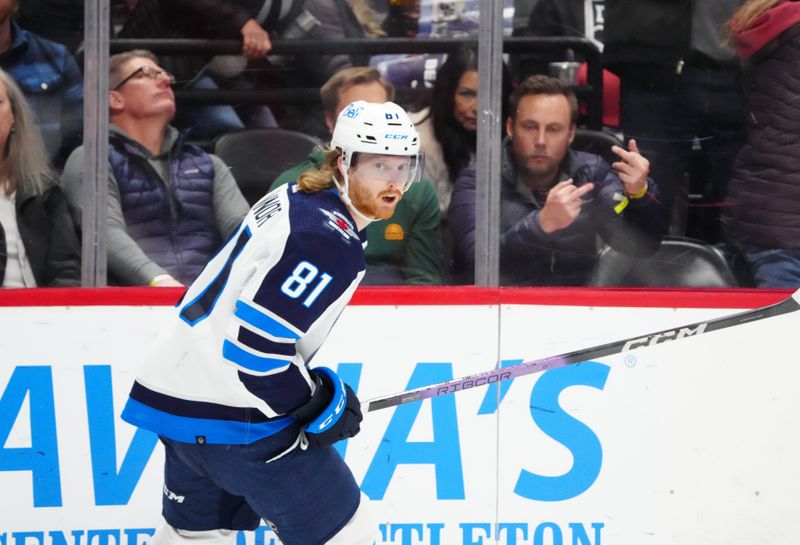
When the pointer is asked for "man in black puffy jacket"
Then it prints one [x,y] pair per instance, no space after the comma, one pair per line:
[556,202]
[681,97]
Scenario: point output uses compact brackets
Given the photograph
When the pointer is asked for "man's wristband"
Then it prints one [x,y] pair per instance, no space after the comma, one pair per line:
[638,195]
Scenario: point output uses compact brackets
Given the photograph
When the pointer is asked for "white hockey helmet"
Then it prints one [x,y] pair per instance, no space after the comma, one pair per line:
[379,129]
[369,127]
[376,129]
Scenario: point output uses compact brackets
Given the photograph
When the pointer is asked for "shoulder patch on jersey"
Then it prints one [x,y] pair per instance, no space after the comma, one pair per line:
[339,223]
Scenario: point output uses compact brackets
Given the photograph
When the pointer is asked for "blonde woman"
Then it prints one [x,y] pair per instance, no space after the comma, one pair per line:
[764,219]
[38,243]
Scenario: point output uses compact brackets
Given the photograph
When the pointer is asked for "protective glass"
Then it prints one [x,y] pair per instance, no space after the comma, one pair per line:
[404,170]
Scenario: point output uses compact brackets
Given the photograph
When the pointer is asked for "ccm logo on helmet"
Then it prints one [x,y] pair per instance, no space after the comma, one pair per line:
[393,136]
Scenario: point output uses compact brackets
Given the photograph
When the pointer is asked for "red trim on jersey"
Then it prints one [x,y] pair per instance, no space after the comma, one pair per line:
[437,296]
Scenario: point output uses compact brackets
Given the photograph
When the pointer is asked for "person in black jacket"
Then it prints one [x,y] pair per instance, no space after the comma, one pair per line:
[221,20]
[550,18]
[256,23]
[681,96]
[38,243]
[764,219]
[556,202]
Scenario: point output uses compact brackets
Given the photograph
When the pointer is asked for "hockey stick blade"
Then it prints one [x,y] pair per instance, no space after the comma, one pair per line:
[494,376]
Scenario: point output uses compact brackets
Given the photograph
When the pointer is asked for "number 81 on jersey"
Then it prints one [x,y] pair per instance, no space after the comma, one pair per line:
[304,276]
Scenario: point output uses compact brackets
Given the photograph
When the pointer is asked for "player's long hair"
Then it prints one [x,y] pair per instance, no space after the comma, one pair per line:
[748,12]
[25,164]
[321,178]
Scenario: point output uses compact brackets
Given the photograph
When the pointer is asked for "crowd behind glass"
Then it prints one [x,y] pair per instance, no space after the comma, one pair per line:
[692,180]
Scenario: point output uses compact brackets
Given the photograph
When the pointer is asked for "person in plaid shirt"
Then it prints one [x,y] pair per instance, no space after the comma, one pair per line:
[49,78]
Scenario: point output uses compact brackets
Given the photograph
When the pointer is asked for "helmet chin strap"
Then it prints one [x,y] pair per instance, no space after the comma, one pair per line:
[344,193]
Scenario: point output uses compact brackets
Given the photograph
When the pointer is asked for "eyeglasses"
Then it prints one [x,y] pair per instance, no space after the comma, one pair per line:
[148,73]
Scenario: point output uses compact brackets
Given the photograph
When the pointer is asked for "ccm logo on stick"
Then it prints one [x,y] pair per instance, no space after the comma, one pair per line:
[663,337]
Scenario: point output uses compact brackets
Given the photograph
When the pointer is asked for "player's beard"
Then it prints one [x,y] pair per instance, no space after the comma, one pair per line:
[371,204]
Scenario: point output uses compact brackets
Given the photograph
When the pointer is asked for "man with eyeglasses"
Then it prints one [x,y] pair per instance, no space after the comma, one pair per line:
[171,205]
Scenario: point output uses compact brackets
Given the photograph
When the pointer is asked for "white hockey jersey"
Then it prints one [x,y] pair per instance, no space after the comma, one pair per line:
[235,362]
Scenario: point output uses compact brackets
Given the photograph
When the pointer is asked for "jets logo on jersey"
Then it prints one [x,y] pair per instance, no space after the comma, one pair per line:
[338,222]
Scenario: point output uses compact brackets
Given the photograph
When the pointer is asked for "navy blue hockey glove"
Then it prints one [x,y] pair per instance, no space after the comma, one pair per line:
[333,413]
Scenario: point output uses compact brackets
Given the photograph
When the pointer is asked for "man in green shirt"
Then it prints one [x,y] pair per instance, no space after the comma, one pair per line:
[406,248]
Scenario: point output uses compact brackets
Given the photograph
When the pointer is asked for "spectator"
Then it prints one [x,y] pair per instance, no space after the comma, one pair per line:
[402,18]
[448,128]
[170,204]
[764,221]
[680,88]
[555,202]
[337,20]
[57,20]
[38,244]
[218,19]
[50,79]
[234,19]
[570,18]
[406,248]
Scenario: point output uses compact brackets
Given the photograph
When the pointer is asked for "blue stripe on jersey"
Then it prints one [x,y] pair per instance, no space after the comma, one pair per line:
[188,430]
[242,358]
[262,321]
[204,303]
[255,341]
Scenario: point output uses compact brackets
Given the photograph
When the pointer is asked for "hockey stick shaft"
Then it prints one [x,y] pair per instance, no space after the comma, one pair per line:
[494,376]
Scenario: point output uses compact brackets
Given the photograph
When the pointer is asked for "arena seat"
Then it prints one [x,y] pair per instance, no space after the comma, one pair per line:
[679,262]
[597,142]
[258,156]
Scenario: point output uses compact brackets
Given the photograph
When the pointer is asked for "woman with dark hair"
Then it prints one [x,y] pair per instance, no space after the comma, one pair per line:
[38,244]
[448,129]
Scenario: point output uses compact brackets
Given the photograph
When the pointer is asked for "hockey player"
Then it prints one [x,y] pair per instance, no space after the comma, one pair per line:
[246,424]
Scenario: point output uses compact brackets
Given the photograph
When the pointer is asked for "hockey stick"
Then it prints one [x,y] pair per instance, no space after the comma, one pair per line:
[494,376]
